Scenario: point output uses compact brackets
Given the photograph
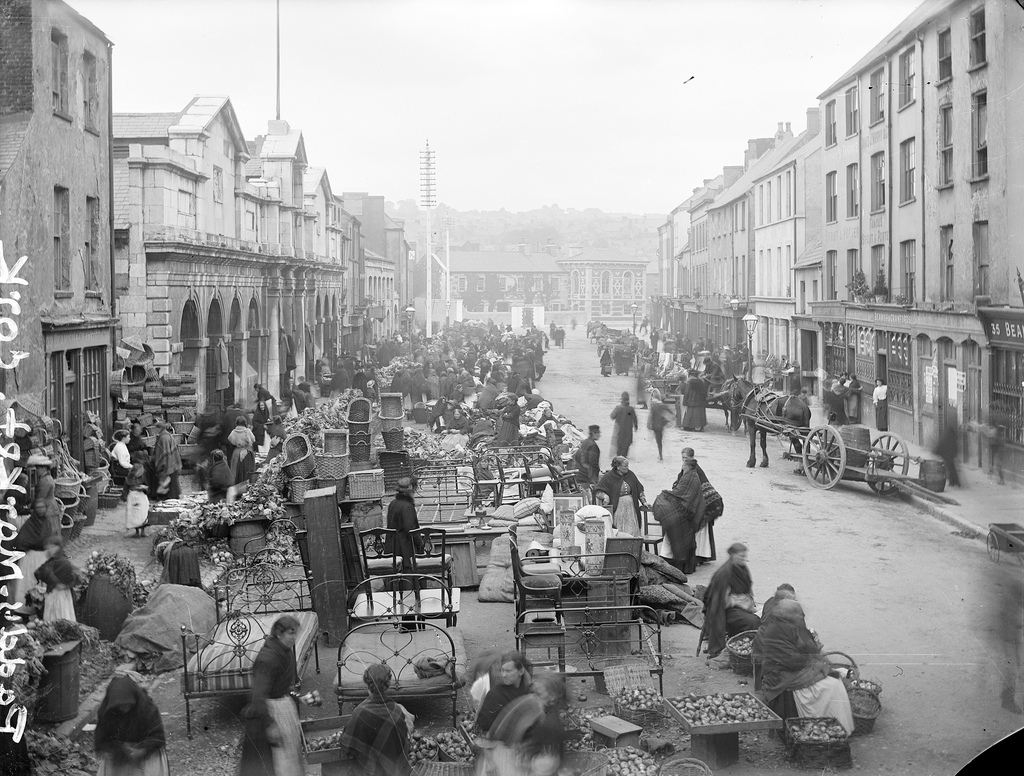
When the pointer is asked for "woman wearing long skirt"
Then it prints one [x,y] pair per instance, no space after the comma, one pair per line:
[59,576]
[625,424]
[880,398]
[622,492]
[681,514]
[272,742]
[508,431]
[32,538]
[729,601]
[714,506]
[130,733]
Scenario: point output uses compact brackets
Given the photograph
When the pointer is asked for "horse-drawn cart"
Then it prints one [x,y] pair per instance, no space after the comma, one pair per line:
[830,455]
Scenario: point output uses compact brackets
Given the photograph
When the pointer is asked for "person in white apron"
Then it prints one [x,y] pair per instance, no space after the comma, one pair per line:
[59,576]
[137,510]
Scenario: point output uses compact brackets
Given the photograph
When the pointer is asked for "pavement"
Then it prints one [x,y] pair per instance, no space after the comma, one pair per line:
[914,600]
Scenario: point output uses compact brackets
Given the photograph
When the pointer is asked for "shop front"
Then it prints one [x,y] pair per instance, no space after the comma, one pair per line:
[1004,328]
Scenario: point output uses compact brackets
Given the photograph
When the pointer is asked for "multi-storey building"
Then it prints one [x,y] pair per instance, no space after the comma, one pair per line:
[55,207]
[494,281]
[604,284]
[911,200]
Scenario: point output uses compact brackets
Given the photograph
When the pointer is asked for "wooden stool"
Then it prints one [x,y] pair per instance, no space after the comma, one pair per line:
[614,732]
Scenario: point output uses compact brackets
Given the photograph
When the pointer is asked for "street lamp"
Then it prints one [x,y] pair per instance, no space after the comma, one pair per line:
[634,307]
[750,322]
[734,303]
[411,312]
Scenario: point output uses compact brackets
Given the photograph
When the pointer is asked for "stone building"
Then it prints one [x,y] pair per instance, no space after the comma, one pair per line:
[604,284]
[494,281]
[55,210]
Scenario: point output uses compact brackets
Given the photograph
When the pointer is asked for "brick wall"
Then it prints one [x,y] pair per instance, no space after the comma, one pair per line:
[15,57]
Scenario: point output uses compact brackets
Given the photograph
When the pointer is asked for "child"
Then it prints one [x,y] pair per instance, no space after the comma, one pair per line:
[59,576]
[137,513]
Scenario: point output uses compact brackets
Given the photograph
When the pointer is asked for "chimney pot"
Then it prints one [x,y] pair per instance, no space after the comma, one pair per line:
[789,127]
[780,126]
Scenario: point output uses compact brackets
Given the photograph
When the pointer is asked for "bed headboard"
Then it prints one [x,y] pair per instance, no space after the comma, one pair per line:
[265,588]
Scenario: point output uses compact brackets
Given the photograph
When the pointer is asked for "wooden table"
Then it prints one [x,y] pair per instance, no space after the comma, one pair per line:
[460,543]
[718,746]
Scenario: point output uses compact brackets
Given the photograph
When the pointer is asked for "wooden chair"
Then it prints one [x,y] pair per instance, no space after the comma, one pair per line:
[377,550]
[542,594]
[652,541]
[433,558]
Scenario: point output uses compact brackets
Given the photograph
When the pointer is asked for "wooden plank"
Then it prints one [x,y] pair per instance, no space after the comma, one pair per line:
[326,561]
[915,489]
[463,552]
[775,723]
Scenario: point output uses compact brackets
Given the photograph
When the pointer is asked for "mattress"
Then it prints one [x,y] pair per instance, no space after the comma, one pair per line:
[220,667]
[387,644]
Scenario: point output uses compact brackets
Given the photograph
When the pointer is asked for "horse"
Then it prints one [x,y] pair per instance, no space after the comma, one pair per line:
[761,405]
[731,396]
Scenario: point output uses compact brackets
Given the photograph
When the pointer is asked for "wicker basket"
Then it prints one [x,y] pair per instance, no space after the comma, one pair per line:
[816,756]
[437,768]
[587,763]
[741,664]
[366,484]
[861,683]
[298,487]
[67,525]
[866,707]
[617,678]
[358,429]
[335,441]
[394,439]
[188,450]
[193,435]
[844,664]
[296,446]
[67,487]
[358,411]
[678,765]
[332,467]
[391,406]
[300,469]
[359,449]
[395,465]
[390,424]
[109,500]
[184,427]
[77,528]
[71,505]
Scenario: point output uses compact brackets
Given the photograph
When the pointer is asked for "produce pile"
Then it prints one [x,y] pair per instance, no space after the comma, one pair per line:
[864,684]
[327,414]
[431,447]
[333,741]
[579,720]
[386,374]
[630,761]
[742,647]
[421,747]
[639,699]
[815,731]
[721,709]
[455,746]
[121,572]
[52,755]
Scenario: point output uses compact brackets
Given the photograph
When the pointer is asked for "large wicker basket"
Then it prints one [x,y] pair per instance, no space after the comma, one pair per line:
[394,439]
[184,427]
[359,448]
[741,664]
[845,665]
[813,755]
[366,484]
[618,679]
[359,411]
[866,708]
[335,441]
[389,424]
[391,406]
[67,487]
[299,461]
[332,467]
[298,487]
[436,768]
[679,765]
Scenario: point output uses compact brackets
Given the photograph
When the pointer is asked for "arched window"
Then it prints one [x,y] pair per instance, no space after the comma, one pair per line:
[574,280]
[627,283]
[606,282]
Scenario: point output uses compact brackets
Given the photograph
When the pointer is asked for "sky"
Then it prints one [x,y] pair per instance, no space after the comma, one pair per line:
[622,105]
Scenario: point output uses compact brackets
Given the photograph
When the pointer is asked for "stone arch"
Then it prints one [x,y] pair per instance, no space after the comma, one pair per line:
[214,319]
[190,332]
[214,357]
[252,345]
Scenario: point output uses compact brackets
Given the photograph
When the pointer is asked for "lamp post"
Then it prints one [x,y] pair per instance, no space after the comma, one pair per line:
[411,312]
[634,307]
[734,303]
[750,322]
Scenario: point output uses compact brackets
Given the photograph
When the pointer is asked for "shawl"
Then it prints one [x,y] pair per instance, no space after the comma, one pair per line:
[273,677]
[242,437]
[731,578]
[497,698]
[168,460]
[128,716]
[57,571]
[375,737]
[611,485]
[700,473]
[681,514]
[33,534]
[790,658]
[220,480]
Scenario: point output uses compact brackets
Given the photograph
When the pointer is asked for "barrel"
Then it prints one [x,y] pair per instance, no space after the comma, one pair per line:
[105,607]
[248,536]
[59,685]
[933,475]
[89,501]
[858,444]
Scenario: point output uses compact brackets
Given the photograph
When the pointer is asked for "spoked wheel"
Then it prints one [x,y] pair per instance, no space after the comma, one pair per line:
[891,455]
[992,543]
[824,457]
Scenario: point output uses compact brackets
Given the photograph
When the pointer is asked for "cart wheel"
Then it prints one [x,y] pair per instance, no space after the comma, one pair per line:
[891,455]
[824,457]
[992,543]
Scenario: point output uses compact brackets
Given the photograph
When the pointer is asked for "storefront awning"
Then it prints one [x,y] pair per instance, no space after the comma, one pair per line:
[1004,326]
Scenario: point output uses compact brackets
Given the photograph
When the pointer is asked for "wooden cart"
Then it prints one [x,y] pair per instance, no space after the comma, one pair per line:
[828,458]
[1005,537]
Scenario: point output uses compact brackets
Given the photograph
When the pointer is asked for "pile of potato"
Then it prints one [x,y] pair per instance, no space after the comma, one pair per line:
[630,761]
[742,646]
[816,731]
[421,747]
[333,741]
[639,699]
[721,709]
[455,746]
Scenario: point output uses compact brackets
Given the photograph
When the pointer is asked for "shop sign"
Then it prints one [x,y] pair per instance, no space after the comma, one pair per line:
[1004,329]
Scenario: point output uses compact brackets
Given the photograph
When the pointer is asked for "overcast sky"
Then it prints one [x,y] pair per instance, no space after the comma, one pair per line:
[583,103]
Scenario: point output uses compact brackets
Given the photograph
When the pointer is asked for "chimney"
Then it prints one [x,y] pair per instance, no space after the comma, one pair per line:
[813,120]
[779,130]
[731,174]
[789,128]
[278,127]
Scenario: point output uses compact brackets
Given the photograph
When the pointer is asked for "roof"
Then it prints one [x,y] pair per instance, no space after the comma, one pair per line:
[130,126]
[286,145]
[922,14]
[201,112]
[509,262]
[812,254]
[605,256]
[122,219]
[12,135]
[311,179]
[254,167]
[768,161]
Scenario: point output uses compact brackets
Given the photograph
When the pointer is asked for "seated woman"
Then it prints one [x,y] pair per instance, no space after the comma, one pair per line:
[729,601]
[795,675]
[620,489]
[377,732]
[515,682]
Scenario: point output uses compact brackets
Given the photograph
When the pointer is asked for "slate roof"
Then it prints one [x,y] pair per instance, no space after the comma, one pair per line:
[509,262]
[812,254]
[606,255]
[12,135]
[143,126]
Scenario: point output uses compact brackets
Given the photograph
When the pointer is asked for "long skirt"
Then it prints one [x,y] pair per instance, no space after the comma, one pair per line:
[882,415]
[695,417]
[287,756]
[33,560]
[136,513]
[826,698]
[59,604]
[706,543]
[626,520]
[508,433]
[154,765]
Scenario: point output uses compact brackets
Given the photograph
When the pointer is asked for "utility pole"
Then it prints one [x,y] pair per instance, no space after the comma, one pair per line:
[278,60]
[447,271]
[427,202]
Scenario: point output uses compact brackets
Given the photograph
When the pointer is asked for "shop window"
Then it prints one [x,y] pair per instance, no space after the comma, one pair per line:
[1007,410]
[900,376]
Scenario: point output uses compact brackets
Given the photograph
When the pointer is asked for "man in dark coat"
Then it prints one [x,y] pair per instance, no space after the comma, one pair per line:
[695,398]
[588,458]
[403,520]
[359,381]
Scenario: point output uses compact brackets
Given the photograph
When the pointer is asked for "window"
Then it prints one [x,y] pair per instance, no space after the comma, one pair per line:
[877,96]
[832,267]
[878,182]
[90,94]
[852,265]
[908,166]
[946,248]
[59,72]
[768,202]
[978,38]
[61,229]
[778,207]
[831,198]
[908,268]
[945,145]
[852,111]
[250,216]
[218,184]
[852,191]
[92,242]
[481,284]
[899,369]
[187,204]
[760,205]
[463,284]
[907,76]
[979,134]
[1007,395]
[945,56]
[606,283]
[981,258]
[93,380]
[789,193]
[830,123]
[877,263]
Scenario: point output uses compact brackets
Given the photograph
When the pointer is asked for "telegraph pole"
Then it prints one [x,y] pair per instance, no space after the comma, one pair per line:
[278,115]
[427,202]
[447,271]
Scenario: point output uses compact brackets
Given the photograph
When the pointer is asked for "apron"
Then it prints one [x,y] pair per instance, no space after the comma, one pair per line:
[154,765]
[59,604]
[137,511]
[287,756]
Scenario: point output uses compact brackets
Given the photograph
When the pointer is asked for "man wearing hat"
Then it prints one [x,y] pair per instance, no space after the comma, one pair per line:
[403,521]
[588,457]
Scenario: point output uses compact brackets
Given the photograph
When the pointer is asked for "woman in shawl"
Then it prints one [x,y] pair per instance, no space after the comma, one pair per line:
[243,463]
[220,479]
[32,537]
[795,675]
[181,565]
[681,512]
[166,463]
[277,434]
[261,415]
[59,576]
[508,431]
[130,733]
[46,489]
[625,424]
[606,361]
[695,397]
[714,507]
[515,680]
[376,734]
[272,738]
[623,494]
[729,601]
